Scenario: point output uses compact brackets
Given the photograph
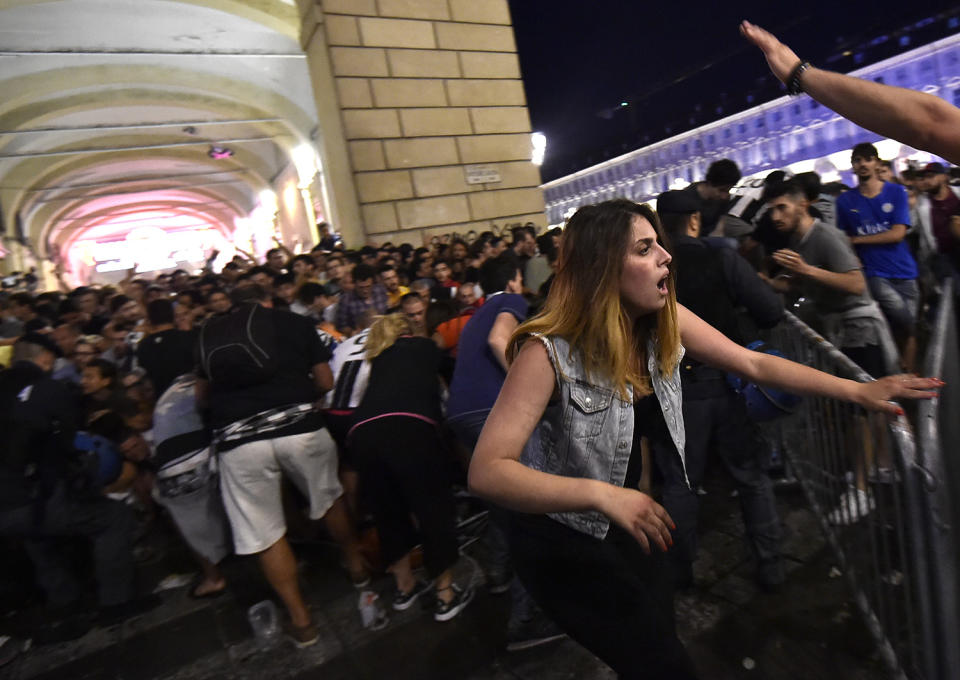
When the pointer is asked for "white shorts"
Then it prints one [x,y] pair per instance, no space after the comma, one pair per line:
[200,518]
[250,484]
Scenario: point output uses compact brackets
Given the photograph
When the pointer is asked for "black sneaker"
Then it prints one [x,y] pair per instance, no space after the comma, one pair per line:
[11,648]
[533,633]
[447,610]
[402,601]
[117,613]
[770,575]
[499,582]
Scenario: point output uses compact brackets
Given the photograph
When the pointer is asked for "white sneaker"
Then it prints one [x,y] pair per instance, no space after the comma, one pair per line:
[854,505]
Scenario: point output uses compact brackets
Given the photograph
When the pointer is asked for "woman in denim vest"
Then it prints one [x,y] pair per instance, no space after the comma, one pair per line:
[561,445]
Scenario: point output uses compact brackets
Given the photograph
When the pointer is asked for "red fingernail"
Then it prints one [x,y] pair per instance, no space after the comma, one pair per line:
[899,411]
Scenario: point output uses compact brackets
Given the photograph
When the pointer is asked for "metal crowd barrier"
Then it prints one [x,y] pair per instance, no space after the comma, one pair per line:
[893,542]
[938,439]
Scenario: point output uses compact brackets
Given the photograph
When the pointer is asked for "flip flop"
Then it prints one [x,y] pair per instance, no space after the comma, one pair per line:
[192,593]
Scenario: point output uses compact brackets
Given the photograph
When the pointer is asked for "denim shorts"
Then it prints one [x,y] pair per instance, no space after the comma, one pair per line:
[899,299]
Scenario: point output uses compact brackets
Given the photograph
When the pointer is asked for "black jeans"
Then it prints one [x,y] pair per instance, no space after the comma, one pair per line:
[607,595]
[108,524]
[719,424]
[402,471]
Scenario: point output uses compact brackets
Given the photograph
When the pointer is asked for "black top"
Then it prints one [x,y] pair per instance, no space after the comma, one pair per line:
[166,355]
[712,282]
[95,325]
[38,422]
[299,350]
[647,422]
[403,380]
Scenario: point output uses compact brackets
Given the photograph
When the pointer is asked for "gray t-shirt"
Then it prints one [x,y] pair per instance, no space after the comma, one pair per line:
[828,248]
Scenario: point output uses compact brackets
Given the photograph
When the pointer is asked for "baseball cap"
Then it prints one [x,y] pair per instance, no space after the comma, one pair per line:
[677,202]
[935,168]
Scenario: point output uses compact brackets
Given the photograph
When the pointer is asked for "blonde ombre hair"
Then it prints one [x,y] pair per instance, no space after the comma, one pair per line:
[384,331]
[584,304]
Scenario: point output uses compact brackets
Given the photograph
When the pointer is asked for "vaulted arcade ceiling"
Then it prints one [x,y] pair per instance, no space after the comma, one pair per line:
[113,110]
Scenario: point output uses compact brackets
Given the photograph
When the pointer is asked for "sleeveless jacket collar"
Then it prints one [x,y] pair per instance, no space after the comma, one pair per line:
[588,431]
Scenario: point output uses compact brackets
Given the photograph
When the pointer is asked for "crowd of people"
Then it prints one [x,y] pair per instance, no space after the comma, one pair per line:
[335,354]
[371,380]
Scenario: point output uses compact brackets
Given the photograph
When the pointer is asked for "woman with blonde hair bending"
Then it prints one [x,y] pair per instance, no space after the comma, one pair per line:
[597,370]
[399,459]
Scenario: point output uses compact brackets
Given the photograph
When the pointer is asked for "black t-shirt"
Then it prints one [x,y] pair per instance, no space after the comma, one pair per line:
[95,325]
[403,379]
[298,350]
[167,355]
[648,422]
[38,422]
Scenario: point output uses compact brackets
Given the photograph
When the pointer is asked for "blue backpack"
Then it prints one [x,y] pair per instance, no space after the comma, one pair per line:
[764,403]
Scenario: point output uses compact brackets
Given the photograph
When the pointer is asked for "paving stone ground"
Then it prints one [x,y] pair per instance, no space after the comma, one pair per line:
[808,629]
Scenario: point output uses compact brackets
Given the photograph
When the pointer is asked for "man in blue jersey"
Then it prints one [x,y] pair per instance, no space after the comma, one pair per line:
[875,216]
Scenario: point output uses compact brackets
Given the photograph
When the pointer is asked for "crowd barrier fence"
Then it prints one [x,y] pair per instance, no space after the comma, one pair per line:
[885,503]
[938,440]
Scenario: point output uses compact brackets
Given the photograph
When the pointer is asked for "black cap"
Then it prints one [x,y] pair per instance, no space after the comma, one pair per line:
[41,340]
[677,202]
[934,168]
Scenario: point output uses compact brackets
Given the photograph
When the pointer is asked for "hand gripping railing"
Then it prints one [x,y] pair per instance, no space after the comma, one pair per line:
[862,476]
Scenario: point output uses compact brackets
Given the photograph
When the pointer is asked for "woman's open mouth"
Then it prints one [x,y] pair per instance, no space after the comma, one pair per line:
[662,285]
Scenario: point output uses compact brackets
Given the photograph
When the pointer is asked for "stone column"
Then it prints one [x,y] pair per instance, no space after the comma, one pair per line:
[336,170]
[424,88]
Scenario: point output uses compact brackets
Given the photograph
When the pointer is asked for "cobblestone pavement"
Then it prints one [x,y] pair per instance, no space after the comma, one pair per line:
[807,629]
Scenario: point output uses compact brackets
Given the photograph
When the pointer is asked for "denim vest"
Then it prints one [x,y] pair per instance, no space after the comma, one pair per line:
[588,431]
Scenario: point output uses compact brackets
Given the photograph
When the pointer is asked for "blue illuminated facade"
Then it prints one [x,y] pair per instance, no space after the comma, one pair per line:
[770,136]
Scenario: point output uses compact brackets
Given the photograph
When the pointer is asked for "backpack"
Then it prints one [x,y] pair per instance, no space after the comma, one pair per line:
[239,349]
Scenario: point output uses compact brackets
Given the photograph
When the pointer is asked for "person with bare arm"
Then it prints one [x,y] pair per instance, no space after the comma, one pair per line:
[597,370]
[916,118]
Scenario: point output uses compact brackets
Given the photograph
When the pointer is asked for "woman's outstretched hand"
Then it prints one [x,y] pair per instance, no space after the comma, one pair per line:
[641,516]
[878,394]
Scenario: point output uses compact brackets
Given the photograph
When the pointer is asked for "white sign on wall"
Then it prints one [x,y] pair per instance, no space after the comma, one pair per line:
[481,174]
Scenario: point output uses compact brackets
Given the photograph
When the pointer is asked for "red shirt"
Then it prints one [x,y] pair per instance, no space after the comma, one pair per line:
[940,214]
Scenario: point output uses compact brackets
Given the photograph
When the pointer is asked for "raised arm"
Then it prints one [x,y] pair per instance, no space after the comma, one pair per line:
[918,119]
[289,254]
[503,327]
[497,474]
[706,344]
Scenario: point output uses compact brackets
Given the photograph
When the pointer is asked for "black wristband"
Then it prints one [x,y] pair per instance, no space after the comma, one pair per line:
[794,86]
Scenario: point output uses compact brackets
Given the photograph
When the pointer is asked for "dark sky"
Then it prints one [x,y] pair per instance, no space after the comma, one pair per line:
[682,64]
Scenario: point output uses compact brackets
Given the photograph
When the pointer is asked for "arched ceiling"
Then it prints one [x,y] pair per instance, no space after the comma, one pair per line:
[111,107]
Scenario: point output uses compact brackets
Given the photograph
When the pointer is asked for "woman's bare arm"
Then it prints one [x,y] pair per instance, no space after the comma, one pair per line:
[706,344]
[497,474]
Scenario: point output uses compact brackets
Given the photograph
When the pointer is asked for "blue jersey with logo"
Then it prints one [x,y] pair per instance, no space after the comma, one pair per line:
[858,215]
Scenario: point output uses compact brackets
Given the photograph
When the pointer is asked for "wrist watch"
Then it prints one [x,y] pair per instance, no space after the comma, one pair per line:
[793,83]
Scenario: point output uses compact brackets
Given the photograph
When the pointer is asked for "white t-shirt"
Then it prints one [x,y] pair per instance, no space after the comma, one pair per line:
[351,373]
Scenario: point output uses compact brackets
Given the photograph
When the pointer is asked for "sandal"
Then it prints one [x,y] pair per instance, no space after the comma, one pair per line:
[209,595]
